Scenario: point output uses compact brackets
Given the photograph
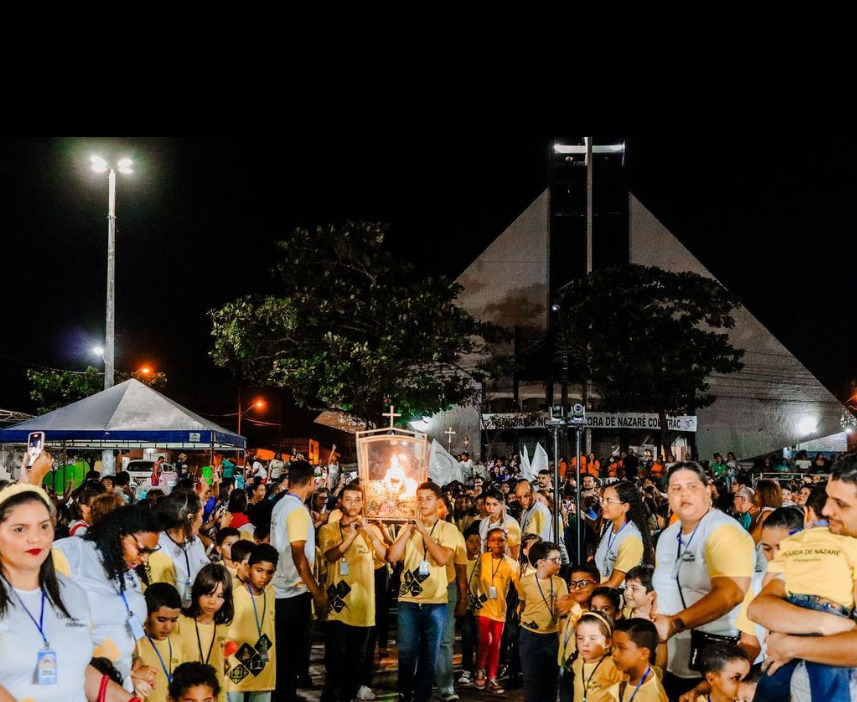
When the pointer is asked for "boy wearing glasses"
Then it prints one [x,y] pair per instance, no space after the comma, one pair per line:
[584,579]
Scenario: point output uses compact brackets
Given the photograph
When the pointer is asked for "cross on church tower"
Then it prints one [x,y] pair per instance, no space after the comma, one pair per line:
[392,415]
[449,434]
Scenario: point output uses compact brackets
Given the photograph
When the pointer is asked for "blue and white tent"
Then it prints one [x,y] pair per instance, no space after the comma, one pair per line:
[127,415]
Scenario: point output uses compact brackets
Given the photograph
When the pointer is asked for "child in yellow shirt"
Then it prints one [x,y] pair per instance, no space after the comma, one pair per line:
[497,573]
[159,648]
[594,670]
[635,643]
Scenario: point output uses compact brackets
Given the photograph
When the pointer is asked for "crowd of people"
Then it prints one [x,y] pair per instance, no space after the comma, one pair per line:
[673,580]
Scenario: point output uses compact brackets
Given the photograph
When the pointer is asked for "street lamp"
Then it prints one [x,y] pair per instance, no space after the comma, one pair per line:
[99,165]
[258,404]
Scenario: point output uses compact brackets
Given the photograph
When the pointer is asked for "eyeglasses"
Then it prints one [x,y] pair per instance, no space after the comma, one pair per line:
[579,584]
[144,550]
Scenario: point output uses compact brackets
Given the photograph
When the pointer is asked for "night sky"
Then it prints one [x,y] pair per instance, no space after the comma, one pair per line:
[197,220]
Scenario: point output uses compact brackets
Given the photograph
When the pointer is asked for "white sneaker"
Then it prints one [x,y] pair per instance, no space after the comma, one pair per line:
[365,693]
[466,678]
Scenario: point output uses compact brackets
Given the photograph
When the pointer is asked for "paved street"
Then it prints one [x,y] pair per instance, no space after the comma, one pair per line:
[385,679]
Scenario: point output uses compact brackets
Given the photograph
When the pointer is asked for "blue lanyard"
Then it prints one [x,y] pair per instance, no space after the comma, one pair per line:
[610,534]
[640,684]
[679,553]
[255,611]
[168,673]
[39,624]
[127,606]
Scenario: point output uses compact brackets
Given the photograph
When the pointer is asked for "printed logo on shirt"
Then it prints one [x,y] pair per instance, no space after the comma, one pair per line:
[336,596]
[411,580]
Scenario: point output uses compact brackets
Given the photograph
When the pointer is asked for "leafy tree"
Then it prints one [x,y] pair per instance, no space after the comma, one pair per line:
[353,328]
[648,338]
[55,388]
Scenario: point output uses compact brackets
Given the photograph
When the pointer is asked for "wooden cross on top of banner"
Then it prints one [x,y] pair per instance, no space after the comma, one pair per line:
[449,434]
[392,415]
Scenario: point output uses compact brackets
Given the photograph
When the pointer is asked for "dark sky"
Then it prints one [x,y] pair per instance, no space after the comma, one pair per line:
[198,218]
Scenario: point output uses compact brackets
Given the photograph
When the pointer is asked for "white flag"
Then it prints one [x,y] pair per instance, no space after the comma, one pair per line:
[540,460]
[526,468]
[443,468]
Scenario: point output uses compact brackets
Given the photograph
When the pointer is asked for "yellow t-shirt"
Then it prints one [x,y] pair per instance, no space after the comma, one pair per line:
[420,588]
[567,638]
[458,558]
[593,681]
[650,691]
[501,574]
[630,554]
[538,522]
[539,602]
[170,650]
[816,562]
[208,648]
[351,595]
[252,666]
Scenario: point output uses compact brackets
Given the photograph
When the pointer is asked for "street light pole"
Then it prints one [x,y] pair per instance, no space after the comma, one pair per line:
[109,346]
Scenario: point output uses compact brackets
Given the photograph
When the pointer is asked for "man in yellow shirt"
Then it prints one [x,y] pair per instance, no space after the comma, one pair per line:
[425,546]
[350,546]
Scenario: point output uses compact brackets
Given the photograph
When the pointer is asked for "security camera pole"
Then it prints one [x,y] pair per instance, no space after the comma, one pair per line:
[578,421]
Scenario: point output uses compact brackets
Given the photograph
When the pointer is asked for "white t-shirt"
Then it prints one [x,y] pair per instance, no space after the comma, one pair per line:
[20,642]
[287,580]
[109,612]
[259,470]
[275,468]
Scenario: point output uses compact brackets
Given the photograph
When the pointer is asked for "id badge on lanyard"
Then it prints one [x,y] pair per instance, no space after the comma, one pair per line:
[46,667]
[424,568]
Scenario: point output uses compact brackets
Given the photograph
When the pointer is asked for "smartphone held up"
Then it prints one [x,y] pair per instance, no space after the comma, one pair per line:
[35,446]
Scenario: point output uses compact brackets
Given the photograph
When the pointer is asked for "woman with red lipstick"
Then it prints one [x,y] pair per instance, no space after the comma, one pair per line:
[106,563]
[45,621]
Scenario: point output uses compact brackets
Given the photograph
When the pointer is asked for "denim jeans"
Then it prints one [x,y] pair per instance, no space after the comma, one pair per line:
[248,696]
[444,677]
[421,629]
[826,682]
[538,664]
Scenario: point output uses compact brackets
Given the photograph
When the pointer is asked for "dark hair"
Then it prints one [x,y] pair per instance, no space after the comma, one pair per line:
[122,479]
[105,667]
[177,511]
[353,486]
[638,515]
[83,497]
[241,549]
[845,468]
[817,499]
[610,593]
[224,534]
[769,493]
[692,466]
[540,550]
[589,568]
[264,553]
[300,473]
[429,485]
[716,655]
[207,580]
[108,533]
[495,494]
[47,575]
[644,574]
[642,633]
[223,492]
[104,503]
[491,531]
[162,595]
[790,518]
[262,532]
[474,529]
[237,502]
[189,675]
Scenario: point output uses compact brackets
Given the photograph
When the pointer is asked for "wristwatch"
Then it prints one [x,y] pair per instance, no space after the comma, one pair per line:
[678,623]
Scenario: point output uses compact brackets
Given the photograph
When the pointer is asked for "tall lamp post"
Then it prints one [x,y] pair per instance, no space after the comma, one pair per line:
[99,165]
[258,404]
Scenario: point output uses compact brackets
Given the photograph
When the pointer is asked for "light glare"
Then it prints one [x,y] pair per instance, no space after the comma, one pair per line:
[99,165]
[807,425]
